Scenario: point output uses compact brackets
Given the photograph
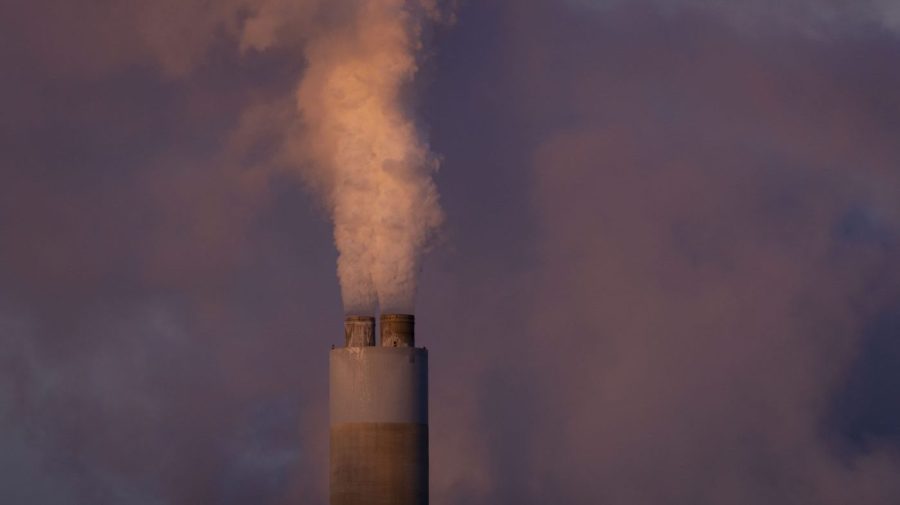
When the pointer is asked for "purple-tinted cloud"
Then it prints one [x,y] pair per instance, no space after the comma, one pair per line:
[667,275]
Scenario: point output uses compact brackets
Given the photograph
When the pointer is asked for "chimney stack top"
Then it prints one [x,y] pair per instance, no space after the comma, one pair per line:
[398,330]
[359,331]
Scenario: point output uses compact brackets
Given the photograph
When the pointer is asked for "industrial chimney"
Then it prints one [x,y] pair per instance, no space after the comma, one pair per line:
[379,414]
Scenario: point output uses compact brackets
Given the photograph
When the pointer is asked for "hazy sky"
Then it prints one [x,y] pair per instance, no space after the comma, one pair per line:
[669,270]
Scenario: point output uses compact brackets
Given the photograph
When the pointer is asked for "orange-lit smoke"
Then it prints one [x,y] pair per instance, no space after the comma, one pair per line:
[357,145]
[366,155]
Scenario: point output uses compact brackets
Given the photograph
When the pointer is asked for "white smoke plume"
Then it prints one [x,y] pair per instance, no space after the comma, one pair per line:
[357,145]
[366,154]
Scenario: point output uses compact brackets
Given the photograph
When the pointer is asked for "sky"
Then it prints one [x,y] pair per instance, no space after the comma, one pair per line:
[667,271]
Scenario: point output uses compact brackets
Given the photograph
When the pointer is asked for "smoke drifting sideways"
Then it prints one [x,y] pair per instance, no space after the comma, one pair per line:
[363,154]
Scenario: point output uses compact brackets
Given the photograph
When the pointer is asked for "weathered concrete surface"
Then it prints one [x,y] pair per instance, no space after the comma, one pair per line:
[379,464]
[379,426]
[359,331]
[379,385]
[398,330]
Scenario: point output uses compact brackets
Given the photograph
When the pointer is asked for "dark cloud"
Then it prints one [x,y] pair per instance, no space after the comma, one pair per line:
[668,272]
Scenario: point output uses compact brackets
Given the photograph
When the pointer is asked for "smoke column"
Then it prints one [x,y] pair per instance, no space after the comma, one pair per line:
[370,162]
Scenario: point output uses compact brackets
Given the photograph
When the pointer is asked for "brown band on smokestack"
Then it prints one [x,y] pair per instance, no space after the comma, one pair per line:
[397,330]
[359,331]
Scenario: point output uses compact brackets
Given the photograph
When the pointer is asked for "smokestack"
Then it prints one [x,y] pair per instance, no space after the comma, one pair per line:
[379,415]
[359,331]
[398,330]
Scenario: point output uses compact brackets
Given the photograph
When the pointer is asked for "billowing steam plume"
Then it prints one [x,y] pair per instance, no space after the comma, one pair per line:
[370,161]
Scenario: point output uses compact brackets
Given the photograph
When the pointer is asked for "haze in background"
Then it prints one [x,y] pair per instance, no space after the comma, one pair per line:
[669,273]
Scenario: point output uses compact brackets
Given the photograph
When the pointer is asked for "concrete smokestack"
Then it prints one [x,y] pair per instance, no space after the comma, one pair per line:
[359,331]
[379,415]
[398,330]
